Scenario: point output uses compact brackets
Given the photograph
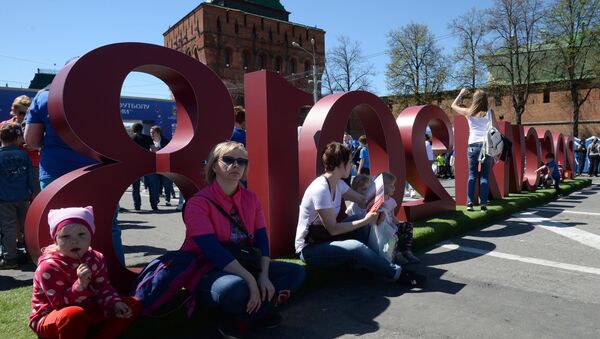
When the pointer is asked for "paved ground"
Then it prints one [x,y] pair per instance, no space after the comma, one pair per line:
[534,275]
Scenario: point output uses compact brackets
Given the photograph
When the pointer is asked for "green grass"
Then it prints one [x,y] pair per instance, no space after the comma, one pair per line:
[15,304]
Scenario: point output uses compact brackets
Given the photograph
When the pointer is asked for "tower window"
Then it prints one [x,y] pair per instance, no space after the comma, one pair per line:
[546,95]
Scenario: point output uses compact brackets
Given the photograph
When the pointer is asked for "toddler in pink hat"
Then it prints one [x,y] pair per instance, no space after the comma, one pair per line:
[71,290]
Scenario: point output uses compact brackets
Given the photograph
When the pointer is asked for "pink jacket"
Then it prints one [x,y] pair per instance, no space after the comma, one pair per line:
[55,285]
[202,217]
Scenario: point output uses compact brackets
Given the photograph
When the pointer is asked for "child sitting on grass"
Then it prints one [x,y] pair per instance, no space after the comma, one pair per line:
[553,172]
[405,229]
[71,291]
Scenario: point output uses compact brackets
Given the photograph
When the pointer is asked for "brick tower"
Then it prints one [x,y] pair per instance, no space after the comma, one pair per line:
[233,37]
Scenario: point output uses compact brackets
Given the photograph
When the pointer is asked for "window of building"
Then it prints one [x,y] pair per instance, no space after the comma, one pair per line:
[278,28]
[227,58]
[254,31]
[245,60]
[236,28]
[497,100]
[300,40]
[293,66]
[306,68]
[262,61]
[245,21]
[219,25]
[270,35]
[307,35]
[227,17]
[262,24]
[546,95]
[285,38]
[278,64]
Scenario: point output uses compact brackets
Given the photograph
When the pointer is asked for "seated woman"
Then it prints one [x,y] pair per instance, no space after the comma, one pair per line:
[225,216]
[346,240]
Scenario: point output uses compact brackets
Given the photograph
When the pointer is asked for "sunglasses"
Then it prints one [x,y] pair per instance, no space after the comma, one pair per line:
[230,160]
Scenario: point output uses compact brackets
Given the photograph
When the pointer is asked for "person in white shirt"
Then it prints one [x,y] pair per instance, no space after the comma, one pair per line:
[324,241]
[480,117]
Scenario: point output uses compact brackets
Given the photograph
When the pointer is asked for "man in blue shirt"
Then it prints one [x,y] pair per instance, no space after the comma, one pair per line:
[239,129]
[364,166]
[56,158]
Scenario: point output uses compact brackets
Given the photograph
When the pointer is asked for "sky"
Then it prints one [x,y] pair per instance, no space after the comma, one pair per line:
[45,34]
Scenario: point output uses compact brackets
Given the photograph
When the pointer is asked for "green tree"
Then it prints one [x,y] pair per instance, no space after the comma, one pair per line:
[417,67]
[470,30]
[572,29]
[515,52]
[347,69]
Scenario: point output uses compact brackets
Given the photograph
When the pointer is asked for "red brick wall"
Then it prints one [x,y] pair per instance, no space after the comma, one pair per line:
[559,109]
[197,35]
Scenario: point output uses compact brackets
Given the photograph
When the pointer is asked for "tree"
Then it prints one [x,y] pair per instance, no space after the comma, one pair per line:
[347,69]
[470,30]
[417,67]
[515,53]
[571,28]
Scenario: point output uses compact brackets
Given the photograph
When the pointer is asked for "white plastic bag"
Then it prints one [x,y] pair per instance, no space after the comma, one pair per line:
[383,239]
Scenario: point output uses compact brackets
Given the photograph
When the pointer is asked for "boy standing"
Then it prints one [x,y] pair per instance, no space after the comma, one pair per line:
[16,187]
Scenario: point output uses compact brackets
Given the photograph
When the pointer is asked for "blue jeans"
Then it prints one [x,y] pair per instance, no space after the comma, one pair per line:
[116,229]
[230,292]
[167,185]
[349,249]
[484,174]
[152,180]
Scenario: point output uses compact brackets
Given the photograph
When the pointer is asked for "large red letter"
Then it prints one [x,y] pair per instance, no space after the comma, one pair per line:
[82,111]
[412,123]
[327,121]
[532,160]
[272,107]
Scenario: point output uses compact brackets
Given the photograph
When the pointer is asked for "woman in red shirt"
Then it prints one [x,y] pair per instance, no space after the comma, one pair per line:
[220,217]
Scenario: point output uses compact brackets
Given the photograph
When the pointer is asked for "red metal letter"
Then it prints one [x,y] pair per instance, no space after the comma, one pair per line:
[412,123]
[82,111]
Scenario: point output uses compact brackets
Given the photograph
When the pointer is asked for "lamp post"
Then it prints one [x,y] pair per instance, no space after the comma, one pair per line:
[314,66]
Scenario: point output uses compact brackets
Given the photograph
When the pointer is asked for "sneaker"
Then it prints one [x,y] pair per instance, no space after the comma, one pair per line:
[399,259]
[270,320]
[484,207]
[412,259]
[470,207]
[167,203]
[8,264]
[412,279]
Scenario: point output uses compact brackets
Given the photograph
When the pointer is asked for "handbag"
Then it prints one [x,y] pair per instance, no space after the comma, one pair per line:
[248,256]
[318,233]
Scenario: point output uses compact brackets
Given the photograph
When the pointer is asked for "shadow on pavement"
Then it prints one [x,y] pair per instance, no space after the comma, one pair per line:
[146,250]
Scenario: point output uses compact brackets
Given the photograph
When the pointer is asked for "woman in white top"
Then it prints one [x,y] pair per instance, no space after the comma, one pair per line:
[479,116]
[324,241]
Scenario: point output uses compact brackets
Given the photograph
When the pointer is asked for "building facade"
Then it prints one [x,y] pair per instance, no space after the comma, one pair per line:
[233,37]
[547,109]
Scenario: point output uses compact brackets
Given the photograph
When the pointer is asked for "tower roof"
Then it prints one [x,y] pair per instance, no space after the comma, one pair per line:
[274,4]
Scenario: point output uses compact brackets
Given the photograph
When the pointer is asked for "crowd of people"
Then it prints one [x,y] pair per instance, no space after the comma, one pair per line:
[225,226]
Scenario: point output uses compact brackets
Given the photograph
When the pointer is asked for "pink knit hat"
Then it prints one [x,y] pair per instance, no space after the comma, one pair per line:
[59,218]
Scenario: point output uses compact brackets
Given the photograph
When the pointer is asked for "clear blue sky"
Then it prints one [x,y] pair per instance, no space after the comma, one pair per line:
[45,34]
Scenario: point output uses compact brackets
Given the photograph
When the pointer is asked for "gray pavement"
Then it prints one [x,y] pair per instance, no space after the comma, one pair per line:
[536,274]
